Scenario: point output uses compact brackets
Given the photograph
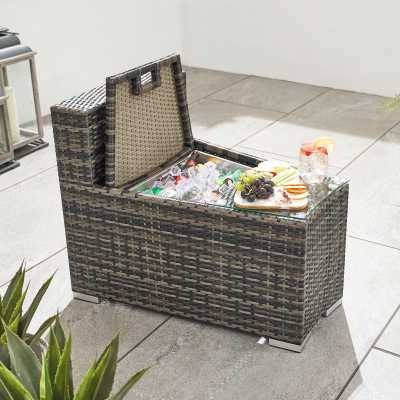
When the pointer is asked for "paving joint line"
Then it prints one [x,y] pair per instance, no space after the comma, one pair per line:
[146,337]
[59,251]
[387,351]
[367,354]
[246,105]
[247,77]
[369,241]
[370,146]
[283,117]
[41,172]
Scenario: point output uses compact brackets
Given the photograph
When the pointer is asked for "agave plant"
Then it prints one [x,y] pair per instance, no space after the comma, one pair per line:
[12,316]
[53,379]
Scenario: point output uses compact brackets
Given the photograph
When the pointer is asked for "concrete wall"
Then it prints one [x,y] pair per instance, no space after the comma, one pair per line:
[342,44]
[81,42]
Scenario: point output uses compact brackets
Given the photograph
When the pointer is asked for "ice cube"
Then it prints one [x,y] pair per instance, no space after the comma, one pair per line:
[210,165]
[208,196]
[158,184]
[175,171]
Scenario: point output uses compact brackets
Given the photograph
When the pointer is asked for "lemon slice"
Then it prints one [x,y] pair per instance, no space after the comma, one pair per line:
[326,142]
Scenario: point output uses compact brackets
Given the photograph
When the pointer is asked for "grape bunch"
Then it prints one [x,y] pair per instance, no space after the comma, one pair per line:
[258,189]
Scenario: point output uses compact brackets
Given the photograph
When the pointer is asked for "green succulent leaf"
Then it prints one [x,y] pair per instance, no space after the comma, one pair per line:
[53,355]
[1,308]
[12,285]
[59,332]
[24,363]
[83,389]
[60,386]
[13,328]
[390,104]
[128,385]
[18,307]
[107,380]
[27,317]
[46,392]
[4,354]
[97,377]
[33,339]
[14,299]
[12,386]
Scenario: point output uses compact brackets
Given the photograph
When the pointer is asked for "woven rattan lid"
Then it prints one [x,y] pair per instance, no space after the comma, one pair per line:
[147,120]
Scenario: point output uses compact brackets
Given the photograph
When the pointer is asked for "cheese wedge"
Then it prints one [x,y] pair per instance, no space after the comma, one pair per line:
[275,165]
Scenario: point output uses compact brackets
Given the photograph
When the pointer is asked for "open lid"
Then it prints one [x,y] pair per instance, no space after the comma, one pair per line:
[147,120]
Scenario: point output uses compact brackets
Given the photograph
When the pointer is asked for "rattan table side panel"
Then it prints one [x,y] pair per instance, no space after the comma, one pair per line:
[141,258]
[80,150]
[325,256]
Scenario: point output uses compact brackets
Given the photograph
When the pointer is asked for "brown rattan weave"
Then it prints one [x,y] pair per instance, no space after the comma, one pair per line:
[147,122]
[270,275]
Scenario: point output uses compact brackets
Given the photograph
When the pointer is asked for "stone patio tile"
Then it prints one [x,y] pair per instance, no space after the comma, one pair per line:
[374,208]
[93,326]
[348,117]
[270,94]
[59,293]
[33,163]
[198,361]
[32,225]
[377,379]
[390,340]
[228,124]
[271,156]
[201,82]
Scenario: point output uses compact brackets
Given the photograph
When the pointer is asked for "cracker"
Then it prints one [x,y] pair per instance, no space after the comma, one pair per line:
[299,196]
[296,191]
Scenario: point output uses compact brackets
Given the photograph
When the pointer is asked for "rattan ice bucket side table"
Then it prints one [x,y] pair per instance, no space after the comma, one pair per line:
[270,274]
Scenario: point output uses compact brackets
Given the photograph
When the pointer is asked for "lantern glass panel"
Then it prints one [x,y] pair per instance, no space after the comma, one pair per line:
[21,103]
[4,148]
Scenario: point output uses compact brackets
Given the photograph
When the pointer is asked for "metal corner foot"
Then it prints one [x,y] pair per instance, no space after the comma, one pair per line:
[289,346]
[331,309]
[86,297]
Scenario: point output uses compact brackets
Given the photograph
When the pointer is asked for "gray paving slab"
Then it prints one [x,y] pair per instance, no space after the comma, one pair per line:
[59,293]
[347,117]
[377,379]
[33,163]
[271,156]
[390,340]
[396,129]
[93,326]
[202,82]
[270,94]
[228,124]
[198,361]
[32,224]
[374,206]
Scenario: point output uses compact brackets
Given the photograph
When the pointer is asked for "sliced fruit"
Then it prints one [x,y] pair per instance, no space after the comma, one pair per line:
[307,149]
[326,142]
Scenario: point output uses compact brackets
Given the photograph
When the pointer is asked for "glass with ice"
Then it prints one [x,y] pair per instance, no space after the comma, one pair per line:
[313,161]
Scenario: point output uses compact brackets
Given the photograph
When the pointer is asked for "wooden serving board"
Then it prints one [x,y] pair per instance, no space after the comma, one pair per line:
[269,204]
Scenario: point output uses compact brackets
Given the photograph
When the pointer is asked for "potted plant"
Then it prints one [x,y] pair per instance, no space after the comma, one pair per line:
[18,322]
[53,379]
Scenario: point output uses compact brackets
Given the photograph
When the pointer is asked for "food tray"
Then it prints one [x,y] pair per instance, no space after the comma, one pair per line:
[269,204]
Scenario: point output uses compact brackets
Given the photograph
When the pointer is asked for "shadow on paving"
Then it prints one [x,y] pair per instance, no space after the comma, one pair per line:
[200,361]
